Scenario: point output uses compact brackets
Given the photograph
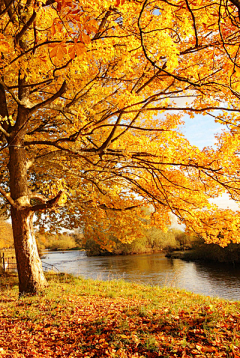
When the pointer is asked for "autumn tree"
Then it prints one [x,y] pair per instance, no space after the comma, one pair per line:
[91,97]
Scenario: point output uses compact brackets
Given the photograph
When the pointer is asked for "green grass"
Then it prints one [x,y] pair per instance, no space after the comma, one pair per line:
[76,317]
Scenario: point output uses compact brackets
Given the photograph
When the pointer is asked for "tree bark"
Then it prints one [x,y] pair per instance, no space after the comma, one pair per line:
[30,272]
[29,266]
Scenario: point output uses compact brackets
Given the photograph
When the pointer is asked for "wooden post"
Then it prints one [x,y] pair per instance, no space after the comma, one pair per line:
[3,261]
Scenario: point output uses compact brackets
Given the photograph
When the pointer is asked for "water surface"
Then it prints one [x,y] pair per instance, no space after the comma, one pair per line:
[210,279]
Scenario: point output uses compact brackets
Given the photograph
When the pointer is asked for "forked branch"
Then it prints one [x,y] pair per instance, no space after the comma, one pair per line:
[48,205]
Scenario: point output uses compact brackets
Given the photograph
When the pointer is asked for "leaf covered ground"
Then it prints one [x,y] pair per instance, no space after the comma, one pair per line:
[84,318]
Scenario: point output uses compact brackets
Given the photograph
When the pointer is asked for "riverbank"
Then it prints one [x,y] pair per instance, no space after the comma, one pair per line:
[76,317]
[121,253]
[213,253]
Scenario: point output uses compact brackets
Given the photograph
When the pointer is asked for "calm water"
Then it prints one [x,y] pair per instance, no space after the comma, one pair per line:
[220,280]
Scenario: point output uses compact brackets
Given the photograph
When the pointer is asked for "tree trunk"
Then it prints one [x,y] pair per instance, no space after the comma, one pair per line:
[29,266]
[30,272]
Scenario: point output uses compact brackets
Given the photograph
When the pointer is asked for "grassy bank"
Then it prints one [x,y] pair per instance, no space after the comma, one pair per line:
[85,318]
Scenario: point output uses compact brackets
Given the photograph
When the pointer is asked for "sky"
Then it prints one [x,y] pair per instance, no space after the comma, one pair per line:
[200,131]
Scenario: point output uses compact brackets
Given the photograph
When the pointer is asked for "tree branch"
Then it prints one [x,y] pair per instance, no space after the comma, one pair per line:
[25,27]
[11,93]
[194,23]
[47,205]
[102,24]
[109,139]
[39,197]
[179,78]
[51,99]
[49,2]
[179,109]
[103,206]
[8,197]
[4,131]
[7,7]
[237,4]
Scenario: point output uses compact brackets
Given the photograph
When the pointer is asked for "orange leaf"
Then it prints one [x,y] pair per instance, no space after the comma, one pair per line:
[80,49]
[60,52]
[86,39]
[71,52]
[119,2]
[53,52]
[53,29]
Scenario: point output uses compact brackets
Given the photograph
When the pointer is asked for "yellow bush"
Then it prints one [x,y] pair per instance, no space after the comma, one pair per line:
[6,235]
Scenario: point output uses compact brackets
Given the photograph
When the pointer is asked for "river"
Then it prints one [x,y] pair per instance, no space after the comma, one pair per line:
[210,279]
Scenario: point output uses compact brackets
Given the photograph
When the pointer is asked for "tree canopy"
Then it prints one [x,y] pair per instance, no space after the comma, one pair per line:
[92,94]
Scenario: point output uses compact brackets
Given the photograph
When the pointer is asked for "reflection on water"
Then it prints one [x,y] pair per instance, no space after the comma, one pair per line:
[209,279]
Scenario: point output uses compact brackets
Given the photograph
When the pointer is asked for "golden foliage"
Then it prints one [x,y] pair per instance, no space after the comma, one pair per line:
[90,91]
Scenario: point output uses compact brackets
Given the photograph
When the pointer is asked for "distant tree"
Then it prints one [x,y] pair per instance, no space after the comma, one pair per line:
[62,241]
[78,238]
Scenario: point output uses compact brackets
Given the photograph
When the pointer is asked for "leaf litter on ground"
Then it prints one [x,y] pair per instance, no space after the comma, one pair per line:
[85,318]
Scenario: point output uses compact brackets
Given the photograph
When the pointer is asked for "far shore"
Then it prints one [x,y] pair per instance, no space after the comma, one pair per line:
[196,255]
